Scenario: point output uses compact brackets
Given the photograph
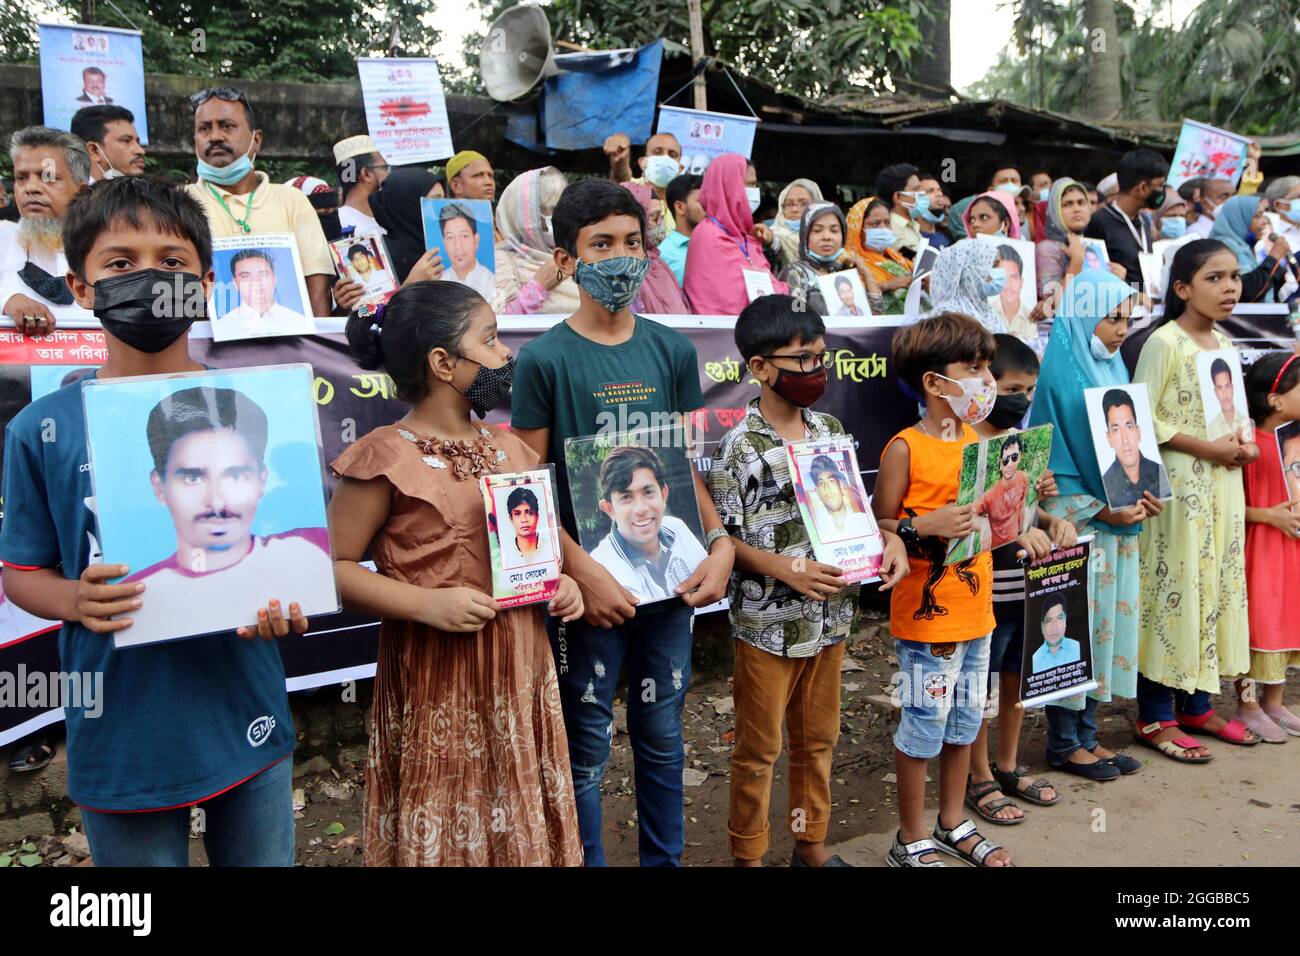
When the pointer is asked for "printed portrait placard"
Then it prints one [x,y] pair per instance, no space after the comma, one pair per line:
[1223,395]
[999,476]
[364,259]
[835,507]
[461,231]
[633,498]
[844,294]
[1057,659]
[1124,438]
[523,535]
[260,289]
[210,488]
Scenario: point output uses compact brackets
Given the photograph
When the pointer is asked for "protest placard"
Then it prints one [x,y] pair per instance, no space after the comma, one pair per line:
[1057,605]
[523,536]
[406,111]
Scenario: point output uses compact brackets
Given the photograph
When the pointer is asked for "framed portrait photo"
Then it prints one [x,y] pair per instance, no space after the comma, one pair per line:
[523,536]
[210,488]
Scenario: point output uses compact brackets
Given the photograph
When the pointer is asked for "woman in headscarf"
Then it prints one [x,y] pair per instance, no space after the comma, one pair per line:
[659,293]
[725,245]
[991,214]
[528,281]
[1058,255]
[871,242]
[965,276]
[1091,324]
[1239,224]
[821,252]
[397,208]
[957,218]
[790,207]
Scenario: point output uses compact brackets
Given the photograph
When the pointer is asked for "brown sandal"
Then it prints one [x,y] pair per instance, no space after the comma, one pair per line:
[987,811]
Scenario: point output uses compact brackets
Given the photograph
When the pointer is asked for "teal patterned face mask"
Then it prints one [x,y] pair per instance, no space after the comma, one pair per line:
[612,282]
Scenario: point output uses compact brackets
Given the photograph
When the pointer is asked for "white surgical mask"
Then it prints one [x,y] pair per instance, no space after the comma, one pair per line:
[1100,352]
[754,196]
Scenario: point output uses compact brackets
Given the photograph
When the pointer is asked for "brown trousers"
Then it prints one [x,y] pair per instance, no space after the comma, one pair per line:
[804,692]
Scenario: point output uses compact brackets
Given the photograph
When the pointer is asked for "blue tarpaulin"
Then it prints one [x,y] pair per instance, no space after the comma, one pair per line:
[597,94]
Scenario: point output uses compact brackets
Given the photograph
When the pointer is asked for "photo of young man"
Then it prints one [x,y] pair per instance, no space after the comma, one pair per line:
[831,503]
[1132,473]
[1056,649]
[365,266]
[254,277]
[523,541]
[1004,504]
[1225,416]
[460,238]
[648,551]
[208,447]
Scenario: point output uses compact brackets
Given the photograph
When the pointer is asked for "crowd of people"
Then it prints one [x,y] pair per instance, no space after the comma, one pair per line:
[492,727]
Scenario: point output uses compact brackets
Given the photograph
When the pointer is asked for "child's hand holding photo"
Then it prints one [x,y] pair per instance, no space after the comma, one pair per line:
[950,521]
[567,603]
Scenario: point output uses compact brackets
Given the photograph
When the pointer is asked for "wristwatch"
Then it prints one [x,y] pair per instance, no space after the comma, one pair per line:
[905,531]
[713,536]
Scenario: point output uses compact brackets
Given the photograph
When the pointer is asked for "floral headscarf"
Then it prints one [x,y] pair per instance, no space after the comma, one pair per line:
[955,282]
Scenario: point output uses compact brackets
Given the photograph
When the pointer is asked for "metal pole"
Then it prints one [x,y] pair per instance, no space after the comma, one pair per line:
[697,52]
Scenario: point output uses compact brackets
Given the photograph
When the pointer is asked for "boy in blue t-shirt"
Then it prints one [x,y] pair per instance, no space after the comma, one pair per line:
[605,370]
[203,721]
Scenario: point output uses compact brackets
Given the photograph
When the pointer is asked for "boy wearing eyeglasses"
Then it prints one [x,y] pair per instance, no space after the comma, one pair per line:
[790,614]
[1015,366]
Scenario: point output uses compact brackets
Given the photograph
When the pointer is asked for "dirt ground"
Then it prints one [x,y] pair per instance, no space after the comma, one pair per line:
[1241,809]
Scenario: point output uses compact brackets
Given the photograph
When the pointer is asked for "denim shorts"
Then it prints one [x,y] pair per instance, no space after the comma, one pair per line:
[943,691]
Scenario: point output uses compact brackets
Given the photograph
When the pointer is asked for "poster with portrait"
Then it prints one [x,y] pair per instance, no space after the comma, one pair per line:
[210,488]
[1020,294]
[461,231]
[835,507]
[1124,438]
[757,283]
[1205,151]
[706,135]
[364,259]
[999,477]
[926,256]
[844,294]
[406,110]
[1223,395]
[1095,254]
[523,535]
[1288,453]
[89,65]
[260,289]
[1057,658]
[633,497]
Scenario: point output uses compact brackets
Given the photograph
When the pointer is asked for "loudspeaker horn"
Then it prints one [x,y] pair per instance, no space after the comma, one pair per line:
[516,53]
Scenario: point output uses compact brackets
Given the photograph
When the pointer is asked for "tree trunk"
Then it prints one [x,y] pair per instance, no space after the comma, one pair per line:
[932,64]
[1103,99]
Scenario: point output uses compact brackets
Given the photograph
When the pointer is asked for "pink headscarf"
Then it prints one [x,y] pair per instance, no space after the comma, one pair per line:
[659,293]
[723,246]
[1008,203]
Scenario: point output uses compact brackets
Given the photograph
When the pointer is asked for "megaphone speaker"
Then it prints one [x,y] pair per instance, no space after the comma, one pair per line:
[516,53]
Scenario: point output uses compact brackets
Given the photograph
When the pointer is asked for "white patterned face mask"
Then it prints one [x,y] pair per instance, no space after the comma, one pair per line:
[976,400]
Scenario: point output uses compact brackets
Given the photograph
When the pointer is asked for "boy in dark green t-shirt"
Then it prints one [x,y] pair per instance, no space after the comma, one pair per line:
[605,371]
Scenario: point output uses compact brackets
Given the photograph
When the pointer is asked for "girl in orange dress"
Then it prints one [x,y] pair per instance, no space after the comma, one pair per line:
[469,764]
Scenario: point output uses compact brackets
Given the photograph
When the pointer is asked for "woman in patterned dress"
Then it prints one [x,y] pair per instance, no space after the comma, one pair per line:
[469,764]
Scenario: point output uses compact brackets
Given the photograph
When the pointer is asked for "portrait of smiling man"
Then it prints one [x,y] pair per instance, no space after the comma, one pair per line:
[208,447]
[648,551]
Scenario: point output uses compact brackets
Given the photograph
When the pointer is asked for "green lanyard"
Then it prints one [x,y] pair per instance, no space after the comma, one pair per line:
[248,207]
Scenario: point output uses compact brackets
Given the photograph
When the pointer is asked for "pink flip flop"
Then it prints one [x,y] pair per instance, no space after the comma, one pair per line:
[1233,732]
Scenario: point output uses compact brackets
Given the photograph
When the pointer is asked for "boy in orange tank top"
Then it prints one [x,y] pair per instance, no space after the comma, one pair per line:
[941,615]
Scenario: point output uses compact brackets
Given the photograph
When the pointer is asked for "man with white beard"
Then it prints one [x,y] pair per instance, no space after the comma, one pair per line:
[50,168]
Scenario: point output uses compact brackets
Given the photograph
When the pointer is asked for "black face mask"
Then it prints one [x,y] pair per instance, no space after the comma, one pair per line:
[149,309]
[1157,198]
[330,223]
[50,288]
[1009,410]
[490,386]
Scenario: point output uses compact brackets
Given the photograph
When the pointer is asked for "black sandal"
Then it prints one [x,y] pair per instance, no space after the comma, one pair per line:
[976,791]
[1010,781]
[35,757]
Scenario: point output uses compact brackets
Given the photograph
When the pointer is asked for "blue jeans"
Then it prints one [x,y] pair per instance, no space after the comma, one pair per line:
[250,825]
[655,646]
[1158,702]
[1068,730]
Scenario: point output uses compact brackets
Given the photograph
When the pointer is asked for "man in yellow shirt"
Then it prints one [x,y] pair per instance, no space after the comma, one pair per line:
[240,201]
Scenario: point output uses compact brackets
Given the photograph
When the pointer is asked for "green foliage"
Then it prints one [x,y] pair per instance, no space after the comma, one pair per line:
[308,41]
[1231,63]
[808,47]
